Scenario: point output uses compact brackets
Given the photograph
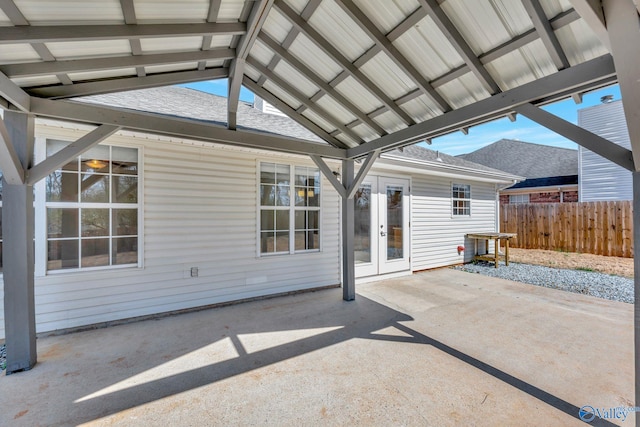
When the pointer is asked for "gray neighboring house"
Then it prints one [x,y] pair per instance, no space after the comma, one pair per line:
[551,172]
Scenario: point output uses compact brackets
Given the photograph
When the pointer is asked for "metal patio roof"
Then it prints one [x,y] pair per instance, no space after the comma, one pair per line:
[363,75]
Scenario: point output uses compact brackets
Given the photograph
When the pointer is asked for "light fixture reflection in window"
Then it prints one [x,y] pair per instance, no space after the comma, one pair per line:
[95,164]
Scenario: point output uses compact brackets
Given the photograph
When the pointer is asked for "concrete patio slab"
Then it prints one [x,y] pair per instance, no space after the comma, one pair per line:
[437,348]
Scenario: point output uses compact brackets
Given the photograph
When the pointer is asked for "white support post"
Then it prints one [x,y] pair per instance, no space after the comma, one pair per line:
[18,256]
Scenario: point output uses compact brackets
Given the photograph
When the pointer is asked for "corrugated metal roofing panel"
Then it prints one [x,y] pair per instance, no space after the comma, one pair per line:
[484,26]
[70,11]
[277,26]
[522,66]
[350,142]
[330,105]
[230,10]
[351,89]
[419,108]
[70,50]
[437,55]
[217,63]
[281,94]
[36,81]
[171,67]
[297,5]
[220,41]
[171,44]
[17,53]
[579,42]
[252,73]
[4,20]
[340,30]
[554,7]
[92,75]
[389,121]
[311,115]
[183,11]
[463,90]
[365,132]
[387,14]
[313,57]
[296,79]
[388,76]
[261,52]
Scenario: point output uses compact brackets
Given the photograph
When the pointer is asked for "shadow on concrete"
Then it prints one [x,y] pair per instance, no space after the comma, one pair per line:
[360,319]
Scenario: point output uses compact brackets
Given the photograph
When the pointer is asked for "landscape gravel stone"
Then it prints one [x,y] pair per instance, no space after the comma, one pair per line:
[585,282]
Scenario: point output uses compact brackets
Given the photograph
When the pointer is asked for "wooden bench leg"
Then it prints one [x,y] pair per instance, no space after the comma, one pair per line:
[506,252]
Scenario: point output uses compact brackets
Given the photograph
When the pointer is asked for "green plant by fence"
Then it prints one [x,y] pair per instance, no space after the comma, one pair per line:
[600,228]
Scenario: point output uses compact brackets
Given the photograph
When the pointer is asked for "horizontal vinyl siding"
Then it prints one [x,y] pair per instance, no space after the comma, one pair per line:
[199,211]
[436,234]
[601,179]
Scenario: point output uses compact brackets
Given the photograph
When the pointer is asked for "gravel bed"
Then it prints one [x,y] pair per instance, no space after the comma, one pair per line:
[592,283]
[3,357]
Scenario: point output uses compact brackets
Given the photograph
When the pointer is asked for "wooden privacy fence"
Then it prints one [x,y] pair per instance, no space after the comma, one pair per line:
[600,228]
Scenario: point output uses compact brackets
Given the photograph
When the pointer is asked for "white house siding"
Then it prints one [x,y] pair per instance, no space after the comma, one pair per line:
[436,234]
[599,178]
[200,210]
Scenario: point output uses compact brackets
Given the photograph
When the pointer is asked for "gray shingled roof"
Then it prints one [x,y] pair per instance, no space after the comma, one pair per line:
[526,159]
[198,105]
[195,104]
[421,153]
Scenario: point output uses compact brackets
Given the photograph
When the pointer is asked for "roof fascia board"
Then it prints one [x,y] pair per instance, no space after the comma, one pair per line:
[161,124]
[128,83]
[592,73]
[624,34]
[31,69]
[83,33]
[599,145]
[525,190]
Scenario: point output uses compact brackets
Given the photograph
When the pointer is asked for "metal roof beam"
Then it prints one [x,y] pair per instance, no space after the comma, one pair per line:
[65,33]
[308,103]
[544,30]
[13,93]
[353,71]
[111,63]
[594,73]
[13,13]
[623,26]
[607,149]
[70,152]
[282,53]
[459,44]
[393,53]
[290,112]
[127,83]
[258,15]
[591,11]
[183,128]
[10,164]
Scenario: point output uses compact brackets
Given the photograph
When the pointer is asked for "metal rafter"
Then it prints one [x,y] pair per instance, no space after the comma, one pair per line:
[282,53]
[307,102]
[161,124]
[212,16]
[129,13]
[258,15]
[290,112]
[349,68]
[595,73]
[128,83]
[548,37]
[393,53]
[111,63]
[65,33]
[459,44]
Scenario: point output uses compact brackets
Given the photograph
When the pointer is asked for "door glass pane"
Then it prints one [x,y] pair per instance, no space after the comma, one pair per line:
[362,245]
[394,222]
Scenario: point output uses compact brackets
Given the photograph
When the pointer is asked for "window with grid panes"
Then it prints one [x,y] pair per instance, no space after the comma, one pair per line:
[461,196]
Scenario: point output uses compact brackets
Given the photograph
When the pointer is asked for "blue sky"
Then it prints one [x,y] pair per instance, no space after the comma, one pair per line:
[522,129]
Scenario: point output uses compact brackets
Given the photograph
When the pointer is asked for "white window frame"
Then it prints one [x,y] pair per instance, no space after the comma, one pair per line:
[518,199]
[292,208]
[460,199]
[41,205]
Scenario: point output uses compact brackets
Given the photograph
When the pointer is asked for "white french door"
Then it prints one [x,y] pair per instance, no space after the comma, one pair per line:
[382,226]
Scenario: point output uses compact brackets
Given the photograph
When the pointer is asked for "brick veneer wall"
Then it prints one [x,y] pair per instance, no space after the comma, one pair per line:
[546,197]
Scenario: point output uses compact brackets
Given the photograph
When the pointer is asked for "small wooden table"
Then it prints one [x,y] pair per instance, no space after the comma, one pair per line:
[496,237]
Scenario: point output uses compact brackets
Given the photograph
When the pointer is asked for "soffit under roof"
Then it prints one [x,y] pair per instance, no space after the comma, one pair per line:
[352,71]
